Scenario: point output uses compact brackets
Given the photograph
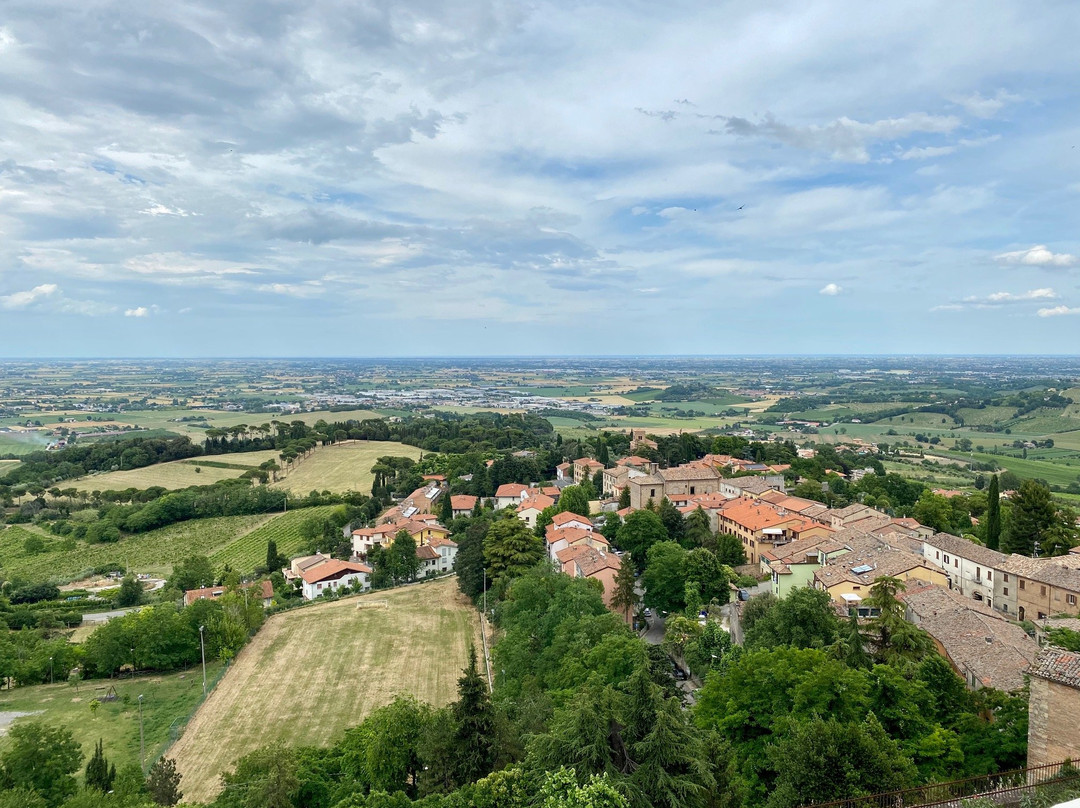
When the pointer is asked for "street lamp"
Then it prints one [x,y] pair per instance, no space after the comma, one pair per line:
[202,646]
[142,742]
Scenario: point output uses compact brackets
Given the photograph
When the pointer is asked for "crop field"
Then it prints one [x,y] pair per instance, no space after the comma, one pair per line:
[248,550]
[166,699]
[177,473]
[237,540]
[342,467]
[1053,473]
[311,673]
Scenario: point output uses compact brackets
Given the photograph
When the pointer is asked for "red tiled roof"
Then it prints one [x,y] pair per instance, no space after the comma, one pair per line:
[561,519]
[510,490]
[333,569]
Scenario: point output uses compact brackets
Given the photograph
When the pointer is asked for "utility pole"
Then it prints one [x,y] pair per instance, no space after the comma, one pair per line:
[142,741]
[50,671]
[202,646]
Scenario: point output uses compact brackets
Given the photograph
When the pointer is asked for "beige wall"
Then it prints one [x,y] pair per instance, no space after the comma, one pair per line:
[1053,716]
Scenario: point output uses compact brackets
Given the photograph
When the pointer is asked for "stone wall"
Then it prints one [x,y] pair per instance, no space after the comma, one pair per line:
[1053,719]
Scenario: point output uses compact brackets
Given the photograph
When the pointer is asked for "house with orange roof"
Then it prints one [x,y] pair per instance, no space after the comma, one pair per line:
[642,464]
[559,538]
[462,504]
[447,551]
[510,495]
[333,576]
[564,471]
[570,519]
[582,561]
[793,564]
[529,510]
[760,527]
[586,467]
[264,588]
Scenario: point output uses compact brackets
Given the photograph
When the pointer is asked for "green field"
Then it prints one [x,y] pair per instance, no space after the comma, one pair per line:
[166,699]
[224,539]
[311,673]
[175,474]
[1053,473]
[342,467]
[248,550]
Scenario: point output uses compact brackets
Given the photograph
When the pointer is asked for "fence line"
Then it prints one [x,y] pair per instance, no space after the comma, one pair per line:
[1003,784]
[179,724]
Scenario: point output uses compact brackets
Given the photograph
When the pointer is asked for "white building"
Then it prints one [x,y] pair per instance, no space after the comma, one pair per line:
[971,567]
[333,575]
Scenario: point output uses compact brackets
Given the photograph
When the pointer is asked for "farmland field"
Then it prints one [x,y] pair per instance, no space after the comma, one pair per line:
[166,699]
[310,674]
[342,467]
[174,474]
[247,551]
[237,540]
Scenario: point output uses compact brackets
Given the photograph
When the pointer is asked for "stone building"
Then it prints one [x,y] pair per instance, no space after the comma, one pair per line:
[1054,707]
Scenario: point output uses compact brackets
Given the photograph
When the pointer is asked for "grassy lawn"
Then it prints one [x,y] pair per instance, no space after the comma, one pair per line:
[311,673]
[165,700]
[342,467]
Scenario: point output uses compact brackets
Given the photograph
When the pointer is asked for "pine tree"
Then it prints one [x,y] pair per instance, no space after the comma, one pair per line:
[163,782]
[624,497]
[602,455]
[993,514]
[475,719]
[98,774]
[1033,514]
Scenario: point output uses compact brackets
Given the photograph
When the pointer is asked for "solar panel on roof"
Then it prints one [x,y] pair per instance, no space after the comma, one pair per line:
[859,570]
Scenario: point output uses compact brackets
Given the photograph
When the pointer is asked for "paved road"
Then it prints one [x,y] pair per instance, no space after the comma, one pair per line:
[104,617]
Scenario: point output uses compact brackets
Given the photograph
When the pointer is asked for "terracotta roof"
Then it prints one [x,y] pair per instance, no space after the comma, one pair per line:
[441,541]
[266,589]
[561,519]
[463,502]
[426,552]
[754,515]
[883,561]
[850,510]
[750,485]
[870,522]
[1058,665]
[969,550]
[633,460]
[333,569]
[569,534]
[690,471]
[588,559]
[976,639]
[510,490]
[1051,571]
[539,502]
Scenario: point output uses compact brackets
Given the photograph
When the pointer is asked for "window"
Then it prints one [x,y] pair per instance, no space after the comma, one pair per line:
[691,489]
[978,573]
[1070,599]
[937,555]
[956,562]
[856,588]
[652,492]
[1006,579]
[1022,582]
[989,575]
[946,558]
[1042,591]
[1005,591]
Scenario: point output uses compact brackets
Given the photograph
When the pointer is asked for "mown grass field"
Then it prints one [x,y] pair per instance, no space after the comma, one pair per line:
[310,674]
[173,475]
[165,700]
[342,467]
[237,540]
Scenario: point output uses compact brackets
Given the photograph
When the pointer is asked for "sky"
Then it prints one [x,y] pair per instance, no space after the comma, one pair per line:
[484,178]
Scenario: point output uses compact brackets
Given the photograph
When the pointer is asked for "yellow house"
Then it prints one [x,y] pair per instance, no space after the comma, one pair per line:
[848,578]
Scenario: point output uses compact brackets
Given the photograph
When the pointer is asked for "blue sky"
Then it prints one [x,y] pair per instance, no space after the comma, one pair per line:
[501,178]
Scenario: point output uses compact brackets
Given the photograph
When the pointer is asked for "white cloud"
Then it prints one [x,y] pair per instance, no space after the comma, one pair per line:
[1033,294]
[141,311]
[982,107]
[1058,311]
[845,138]
[1038,255]
[926,152]
[830,289]
[307,289]
[20,300]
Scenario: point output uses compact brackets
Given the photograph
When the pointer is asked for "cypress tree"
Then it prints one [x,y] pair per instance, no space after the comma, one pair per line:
[624,497]
[475,719]
[446,515]
[98,773]
[993,514]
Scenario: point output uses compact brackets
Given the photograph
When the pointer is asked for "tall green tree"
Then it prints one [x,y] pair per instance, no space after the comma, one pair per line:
[894,639]
[475,718]
[41,758]
[673,520]
[624,497]
[993,514]
[403,561]
[730,550]
[698,531]
[99,775]
[625,597]
[131,591]
[163,782]
[573,499]
[665,577]
[510,549]
[274,560]
[641,530]
[803,619]
[469,561]
[446,512]
[1032,517]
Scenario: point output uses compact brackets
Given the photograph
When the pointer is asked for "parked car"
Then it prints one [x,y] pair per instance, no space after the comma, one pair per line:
[648,612]
[744,594]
